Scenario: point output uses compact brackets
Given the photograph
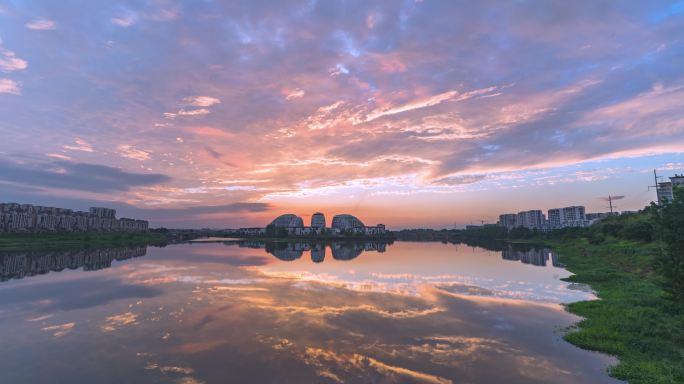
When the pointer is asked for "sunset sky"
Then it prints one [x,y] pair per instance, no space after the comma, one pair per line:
[410,113]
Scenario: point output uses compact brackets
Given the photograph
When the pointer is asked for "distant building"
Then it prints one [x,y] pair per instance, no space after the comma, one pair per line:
[293,225]
[567,217]
[288,221]
[508,220]
[596,216]
[103,212]
[377,230]
[252,231]
[593,217]
[665,189]
[533,219]
[346,222]
[35,218]
[318,220]
[132,225]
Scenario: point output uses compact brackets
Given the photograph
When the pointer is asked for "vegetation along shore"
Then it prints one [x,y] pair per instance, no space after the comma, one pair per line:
[36,241]
[635,264]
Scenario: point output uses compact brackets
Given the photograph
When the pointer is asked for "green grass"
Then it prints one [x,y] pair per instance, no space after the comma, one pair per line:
[38,241]
[634,319]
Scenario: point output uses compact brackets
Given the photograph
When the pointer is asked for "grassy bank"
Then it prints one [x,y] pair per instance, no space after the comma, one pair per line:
[634,320]
[635,263]
[14,242]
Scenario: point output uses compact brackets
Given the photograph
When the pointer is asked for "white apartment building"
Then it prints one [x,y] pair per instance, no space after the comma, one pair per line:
[508,220]
[534,219]
[665,189]
[573,216]
[35,218]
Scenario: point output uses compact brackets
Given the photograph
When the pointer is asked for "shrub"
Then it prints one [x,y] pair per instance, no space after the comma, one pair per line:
[670,229]
[611,227]
[596,238]
[639,231]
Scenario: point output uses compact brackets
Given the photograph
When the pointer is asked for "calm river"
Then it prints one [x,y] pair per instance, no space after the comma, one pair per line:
[249,312]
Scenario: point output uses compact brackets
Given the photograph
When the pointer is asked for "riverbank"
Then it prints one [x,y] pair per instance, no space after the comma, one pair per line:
[38,241]
[633,320]
[635,264]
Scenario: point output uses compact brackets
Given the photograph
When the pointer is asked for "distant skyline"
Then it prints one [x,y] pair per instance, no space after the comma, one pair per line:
[408,113]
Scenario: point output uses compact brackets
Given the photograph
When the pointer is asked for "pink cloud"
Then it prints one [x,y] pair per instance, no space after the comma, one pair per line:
[291,94]
[130,152]
[9,86]
[209,131]
[9,62]
[41,25]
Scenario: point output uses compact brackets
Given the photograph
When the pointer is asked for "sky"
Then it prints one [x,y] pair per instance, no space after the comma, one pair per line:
[409,113]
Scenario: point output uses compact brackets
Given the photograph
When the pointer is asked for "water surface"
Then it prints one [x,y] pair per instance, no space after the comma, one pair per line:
[251,312]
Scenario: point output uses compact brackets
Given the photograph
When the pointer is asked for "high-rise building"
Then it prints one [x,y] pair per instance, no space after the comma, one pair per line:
[566,217]
[665,189]
[35,218]
[318,220]
[533,219]
[103,212]
[508,220]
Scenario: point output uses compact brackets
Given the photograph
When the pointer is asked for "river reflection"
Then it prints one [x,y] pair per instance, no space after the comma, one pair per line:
[288,250]
[17,265]
[217,313]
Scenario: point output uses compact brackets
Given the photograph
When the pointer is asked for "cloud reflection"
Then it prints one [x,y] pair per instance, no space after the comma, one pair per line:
[258,324]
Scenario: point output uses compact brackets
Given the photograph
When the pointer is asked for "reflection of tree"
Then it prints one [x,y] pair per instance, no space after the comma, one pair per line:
[16,265]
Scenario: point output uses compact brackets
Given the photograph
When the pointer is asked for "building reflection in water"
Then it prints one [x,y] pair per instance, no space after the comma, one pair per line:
[288,251]
[17,265]
[531,255]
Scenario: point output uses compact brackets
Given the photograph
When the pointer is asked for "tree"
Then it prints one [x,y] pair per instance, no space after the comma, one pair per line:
[670,261]
[638,230]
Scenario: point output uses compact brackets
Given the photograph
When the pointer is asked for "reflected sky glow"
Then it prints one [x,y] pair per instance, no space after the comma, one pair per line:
[416,313]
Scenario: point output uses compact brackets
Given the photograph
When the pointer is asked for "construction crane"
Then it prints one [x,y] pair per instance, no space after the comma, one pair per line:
[610,200]
[656,179]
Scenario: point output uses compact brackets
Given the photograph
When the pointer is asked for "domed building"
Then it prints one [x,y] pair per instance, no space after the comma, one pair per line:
[318,220]
[287,220]
[345,222]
